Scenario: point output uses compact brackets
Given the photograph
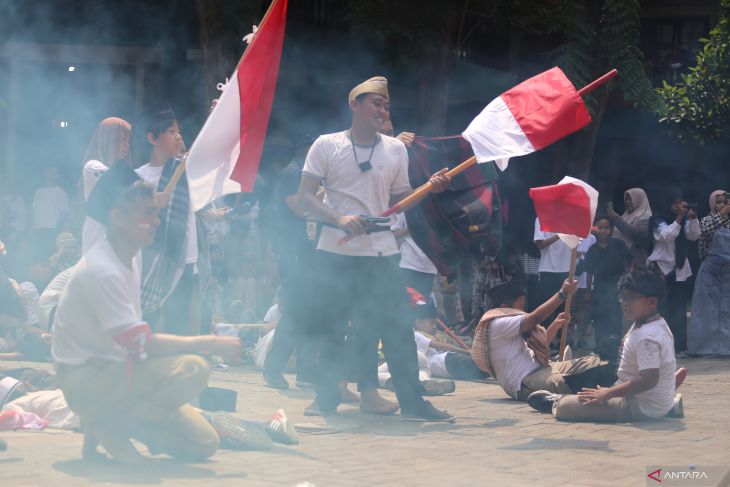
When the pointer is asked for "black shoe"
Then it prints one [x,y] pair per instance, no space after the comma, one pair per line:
[277,381]
[426,412]
[543,400]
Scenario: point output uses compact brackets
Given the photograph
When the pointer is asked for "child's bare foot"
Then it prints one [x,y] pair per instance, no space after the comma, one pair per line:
[679,377]
[373,403]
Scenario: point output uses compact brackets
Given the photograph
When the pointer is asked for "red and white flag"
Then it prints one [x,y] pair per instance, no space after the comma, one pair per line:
[530,116]
[225,156]
[567,208]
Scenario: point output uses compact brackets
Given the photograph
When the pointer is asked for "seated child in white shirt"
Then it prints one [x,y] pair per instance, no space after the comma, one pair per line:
[647,375]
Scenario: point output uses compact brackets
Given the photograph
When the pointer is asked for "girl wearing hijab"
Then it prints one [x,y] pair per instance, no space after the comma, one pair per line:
[709,331]
[671,230]
[633,226]
[109,145]
[718,218]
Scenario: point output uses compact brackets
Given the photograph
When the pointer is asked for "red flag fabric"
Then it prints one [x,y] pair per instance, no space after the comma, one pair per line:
[225,156]
[527,118]
[257,75]
[547,107]
[568,207]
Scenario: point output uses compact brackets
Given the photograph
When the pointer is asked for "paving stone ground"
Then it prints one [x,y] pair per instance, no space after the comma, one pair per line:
[495,442]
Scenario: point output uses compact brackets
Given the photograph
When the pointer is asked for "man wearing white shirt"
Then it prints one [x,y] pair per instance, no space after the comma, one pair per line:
[121,379]
[50,205]
[363,173]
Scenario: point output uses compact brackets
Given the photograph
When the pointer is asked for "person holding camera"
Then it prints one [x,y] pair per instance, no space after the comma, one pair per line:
[708,333]
[671,230]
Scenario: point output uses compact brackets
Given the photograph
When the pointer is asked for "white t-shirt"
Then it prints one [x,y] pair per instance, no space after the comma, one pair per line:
[350,191]
[411,255]
[436,359]
[555,257]
[152,174]
[650,346]
[52,293]
[93,231]
[583,247]
[511,359]
[102,294]
[48,205]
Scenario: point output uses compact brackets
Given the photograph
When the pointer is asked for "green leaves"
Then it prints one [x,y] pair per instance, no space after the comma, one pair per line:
[698,107]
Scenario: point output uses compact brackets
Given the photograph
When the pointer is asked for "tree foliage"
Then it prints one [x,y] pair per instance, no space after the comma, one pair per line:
[698,107]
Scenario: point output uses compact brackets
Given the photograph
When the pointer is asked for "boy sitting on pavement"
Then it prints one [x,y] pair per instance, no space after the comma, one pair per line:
[122,380]
[647,381]
[512,346]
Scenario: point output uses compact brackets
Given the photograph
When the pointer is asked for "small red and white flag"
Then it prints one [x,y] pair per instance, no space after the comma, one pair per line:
[225,156]
[527,118]
[567,208]
[416,298]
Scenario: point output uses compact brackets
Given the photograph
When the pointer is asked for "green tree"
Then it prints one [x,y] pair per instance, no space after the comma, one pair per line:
[698,107]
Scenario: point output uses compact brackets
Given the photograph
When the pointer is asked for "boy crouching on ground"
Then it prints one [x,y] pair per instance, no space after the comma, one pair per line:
[647,381]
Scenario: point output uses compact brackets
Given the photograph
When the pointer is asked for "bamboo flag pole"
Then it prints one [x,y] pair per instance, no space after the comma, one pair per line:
[422,191]
[452,335]
[568,304]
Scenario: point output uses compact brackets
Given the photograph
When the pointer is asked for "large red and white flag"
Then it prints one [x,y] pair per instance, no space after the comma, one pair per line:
[526,118]
[225,156]
[567,208]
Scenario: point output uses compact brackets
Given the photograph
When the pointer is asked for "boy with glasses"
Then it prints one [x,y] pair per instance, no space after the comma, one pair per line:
[647,380]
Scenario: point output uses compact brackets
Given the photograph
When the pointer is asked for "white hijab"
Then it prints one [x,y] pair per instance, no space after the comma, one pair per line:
[642,211]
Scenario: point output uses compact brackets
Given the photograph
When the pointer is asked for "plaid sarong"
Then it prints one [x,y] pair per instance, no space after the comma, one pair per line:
[163,262]
[469,212]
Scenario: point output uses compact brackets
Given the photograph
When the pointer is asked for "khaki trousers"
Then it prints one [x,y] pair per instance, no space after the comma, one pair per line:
[151,405]
[552,376]
[616,410]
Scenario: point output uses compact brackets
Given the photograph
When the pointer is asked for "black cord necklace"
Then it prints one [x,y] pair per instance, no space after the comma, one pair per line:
[365,165]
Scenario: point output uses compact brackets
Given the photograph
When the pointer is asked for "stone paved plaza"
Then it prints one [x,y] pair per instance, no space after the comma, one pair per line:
[495,442]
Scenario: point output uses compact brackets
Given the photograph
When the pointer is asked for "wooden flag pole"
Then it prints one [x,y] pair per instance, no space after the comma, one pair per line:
[568,304]
[452,335]
[424,190]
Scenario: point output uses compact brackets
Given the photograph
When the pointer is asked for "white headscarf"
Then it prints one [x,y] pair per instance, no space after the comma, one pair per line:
[642,211]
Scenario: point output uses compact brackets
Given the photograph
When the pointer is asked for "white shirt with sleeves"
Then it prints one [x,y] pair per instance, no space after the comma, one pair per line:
[650,346]
[48,206]
[101,297]
[350,191]
[411,255]
[511,359]
[556,256]
[664,253]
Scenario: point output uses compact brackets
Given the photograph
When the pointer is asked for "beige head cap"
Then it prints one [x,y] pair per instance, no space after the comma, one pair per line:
[378,85]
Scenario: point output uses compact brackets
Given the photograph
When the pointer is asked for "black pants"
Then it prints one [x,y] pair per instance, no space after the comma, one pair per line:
[420,281]
[299,314]
[674,310]
[370,293]
[180,314]
[461,367]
